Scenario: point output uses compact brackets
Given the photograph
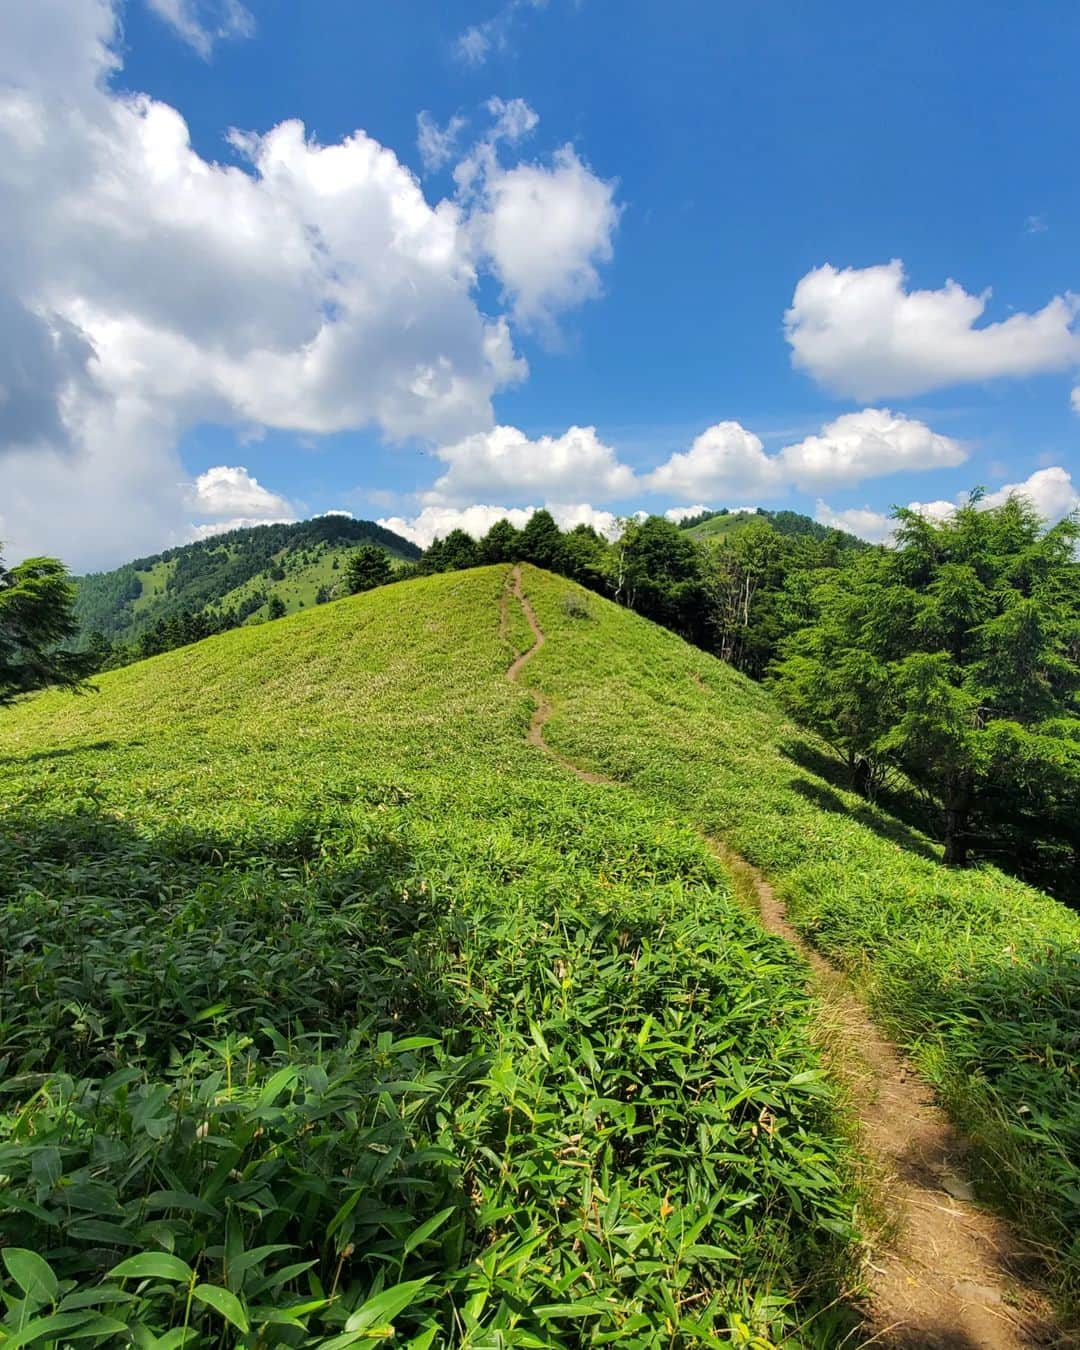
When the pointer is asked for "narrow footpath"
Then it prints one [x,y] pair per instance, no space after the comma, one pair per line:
[947,1275]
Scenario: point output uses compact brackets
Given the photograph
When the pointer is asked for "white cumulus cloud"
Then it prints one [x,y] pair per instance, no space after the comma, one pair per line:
[505,462]
[677,513]
[543,228]
[726,460]
[228,490]
[435,522]
[309,287]
[868,444]
[873,526]
[546,230]
[863,333]
[211,527]
[1050,491]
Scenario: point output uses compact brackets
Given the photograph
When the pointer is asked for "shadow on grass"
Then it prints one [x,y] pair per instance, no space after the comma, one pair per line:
[64,751]
[123,946]
[887,827]
[1046,864]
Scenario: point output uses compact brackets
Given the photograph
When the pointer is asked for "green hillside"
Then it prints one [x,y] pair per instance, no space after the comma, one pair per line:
[331,1002]
[722,524]
[238,570]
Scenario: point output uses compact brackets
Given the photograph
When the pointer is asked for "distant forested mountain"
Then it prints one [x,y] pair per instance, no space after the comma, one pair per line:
[247,574]
[717,524]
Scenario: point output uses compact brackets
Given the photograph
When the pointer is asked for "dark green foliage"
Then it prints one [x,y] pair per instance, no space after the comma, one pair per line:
[103,601]
[955,658]
[755,580]
[657,570]
[501,544]
[586,557]
[36,617]
[453,553]
[275,607]
[541,542]
[179,631]
[366,567]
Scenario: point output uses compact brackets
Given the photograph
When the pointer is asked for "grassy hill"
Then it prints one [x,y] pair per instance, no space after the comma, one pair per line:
[331,1003]
[238,570]
[722,524]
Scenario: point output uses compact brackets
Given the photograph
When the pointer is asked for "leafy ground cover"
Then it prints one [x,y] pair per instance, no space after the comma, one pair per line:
[328,1007]
[976,973]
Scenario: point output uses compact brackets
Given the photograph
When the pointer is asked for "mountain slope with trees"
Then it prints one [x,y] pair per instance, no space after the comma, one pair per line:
[238,573]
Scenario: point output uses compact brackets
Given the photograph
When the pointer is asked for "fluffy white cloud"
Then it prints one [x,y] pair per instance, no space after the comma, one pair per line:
[868,444]
[677,513]
[309,287]
[542,228]
[435,522]
[861,332]
[201,23]
[231,491]
[1051,491]
[546,229]
[1075,399]
[874,526]
[725,460]
[568,514]
[504,462]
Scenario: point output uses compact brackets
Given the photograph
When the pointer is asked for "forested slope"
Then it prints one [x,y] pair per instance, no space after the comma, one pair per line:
[239,570]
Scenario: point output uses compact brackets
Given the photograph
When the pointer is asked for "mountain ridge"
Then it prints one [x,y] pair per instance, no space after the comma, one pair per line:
[238,570]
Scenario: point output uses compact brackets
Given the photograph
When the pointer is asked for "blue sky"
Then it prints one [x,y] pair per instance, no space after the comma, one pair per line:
[814,257]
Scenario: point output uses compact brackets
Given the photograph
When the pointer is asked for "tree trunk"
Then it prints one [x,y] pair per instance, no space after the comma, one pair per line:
[956,848]
[862,776]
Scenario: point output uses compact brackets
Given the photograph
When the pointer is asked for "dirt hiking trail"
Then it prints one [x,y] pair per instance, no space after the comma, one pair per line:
[947,1274]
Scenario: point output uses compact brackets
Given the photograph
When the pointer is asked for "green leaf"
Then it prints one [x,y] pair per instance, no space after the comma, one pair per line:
[426,1229]
[47,1329]
[275,1086]
[385,1307]
[228,1305]
[32,1273]
[90,1298]
[585,1307]
[46,1167]
[152,1266]
[99,1325]
[414,1043]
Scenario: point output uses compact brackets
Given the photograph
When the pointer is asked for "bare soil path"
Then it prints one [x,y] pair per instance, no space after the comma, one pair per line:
[948,1275]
